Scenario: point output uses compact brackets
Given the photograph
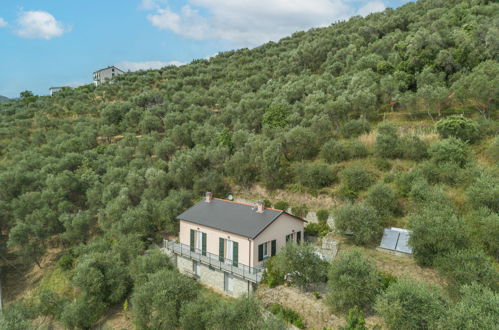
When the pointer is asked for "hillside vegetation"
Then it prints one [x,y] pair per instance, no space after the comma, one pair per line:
[392,118]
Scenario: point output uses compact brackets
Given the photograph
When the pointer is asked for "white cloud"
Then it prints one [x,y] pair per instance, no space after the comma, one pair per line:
[3,22]
[151,4]
[148,65]
[248,22]
[371,7]
[39,25]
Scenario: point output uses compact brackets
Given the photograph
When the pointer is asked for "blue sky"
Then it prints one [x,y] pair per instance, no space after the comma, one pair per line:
[60,42]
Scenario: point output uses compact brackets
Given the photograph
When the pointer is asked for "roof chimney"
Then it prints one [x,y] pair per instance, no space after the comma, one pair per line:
[259,207]
[208,197]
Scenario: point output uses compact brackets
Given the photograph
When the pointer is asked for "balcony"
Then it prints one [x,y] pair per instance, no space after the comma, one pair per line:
[251,274]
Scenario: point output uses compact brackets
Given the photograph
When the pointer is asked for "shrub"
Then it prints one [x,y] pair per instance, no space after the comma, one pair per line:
[413,148]
[300,211]
[287,315]
[356,178]
[315,175]
[66,262]
[465,267]
[322,215]
[355,320]
[281,205]
[382,164]
[477,309]
[450,150]
[411,305]
[320,229]
[334,151]
[484,193]
[272,275]
[449,173]
[459,127]
[493,150]
[355,127]
[362,220]
[387,143]
[353,281]
[356,149]
[382,198]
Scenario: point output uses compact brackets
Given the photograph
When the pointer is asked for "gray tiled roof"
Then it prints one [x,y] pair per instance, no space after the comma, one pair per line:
[231,217]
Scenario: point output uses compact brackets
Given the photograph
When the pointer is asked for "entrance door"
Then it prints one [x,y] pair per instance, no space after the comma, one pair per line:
[228,283]
[230,252]
[199,242]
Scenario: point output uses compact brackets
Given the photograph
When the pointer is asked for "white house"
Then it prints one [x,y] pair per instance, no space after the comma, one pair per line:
[106,74]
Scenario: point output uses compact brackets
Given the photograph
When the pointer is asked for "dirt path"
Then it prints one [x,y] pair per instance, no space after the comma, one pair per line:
[313,311]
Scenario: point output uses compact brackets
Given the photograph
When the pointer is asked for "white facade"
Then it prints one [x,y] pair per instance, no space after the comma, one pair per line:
[106,74]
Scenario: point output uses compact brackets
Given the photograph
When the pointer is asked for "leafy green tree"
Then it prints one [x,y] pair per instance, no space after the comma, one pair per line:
[144,266]
[484,192]
[459,127]
[17,316]
[411,305]
[356,178]
[387,141]
[290,260]
[315,175]
[450,150]
[477,309]
[300,143]
[274,170]
[466,267]
[276,116]
[83,312]
[334,151]
[353,281]
[158,302]
[244,313]
[483,227]
[361,220]
[102,277]
[382,198]
[436,231]
[477,89]
[355,127]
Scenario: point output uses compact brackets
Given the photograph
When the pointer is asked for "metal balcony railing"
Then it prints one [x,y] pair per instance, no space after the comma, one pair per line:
[252,274]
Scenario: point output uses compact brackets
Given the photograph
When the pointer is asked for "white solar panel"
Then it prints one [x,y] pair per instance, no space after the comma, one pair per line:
[403,243]
[389,240]
[396,239]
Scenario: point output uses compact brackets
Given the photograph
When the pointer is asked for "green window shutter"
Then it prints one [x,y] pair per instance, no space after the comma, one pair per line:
[273,248]
[203,243]
[260,252]
[235,253]
[298,237]
[221,249]
[193,235]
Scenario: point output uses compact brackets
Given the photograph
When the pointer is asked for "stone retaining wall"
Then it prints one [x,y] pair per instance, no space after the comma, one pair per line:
[214,278]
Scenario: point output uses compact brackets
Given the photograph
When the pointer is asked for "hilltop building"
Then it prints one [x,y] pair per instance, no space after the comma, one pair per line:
[54,90]
[224,244]
[106,74]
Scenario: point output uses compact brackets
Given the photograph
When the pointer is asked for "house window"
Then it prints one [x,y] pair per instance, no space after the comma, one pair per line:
[198,241]
[228,251]
[266,250]
[290,237]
